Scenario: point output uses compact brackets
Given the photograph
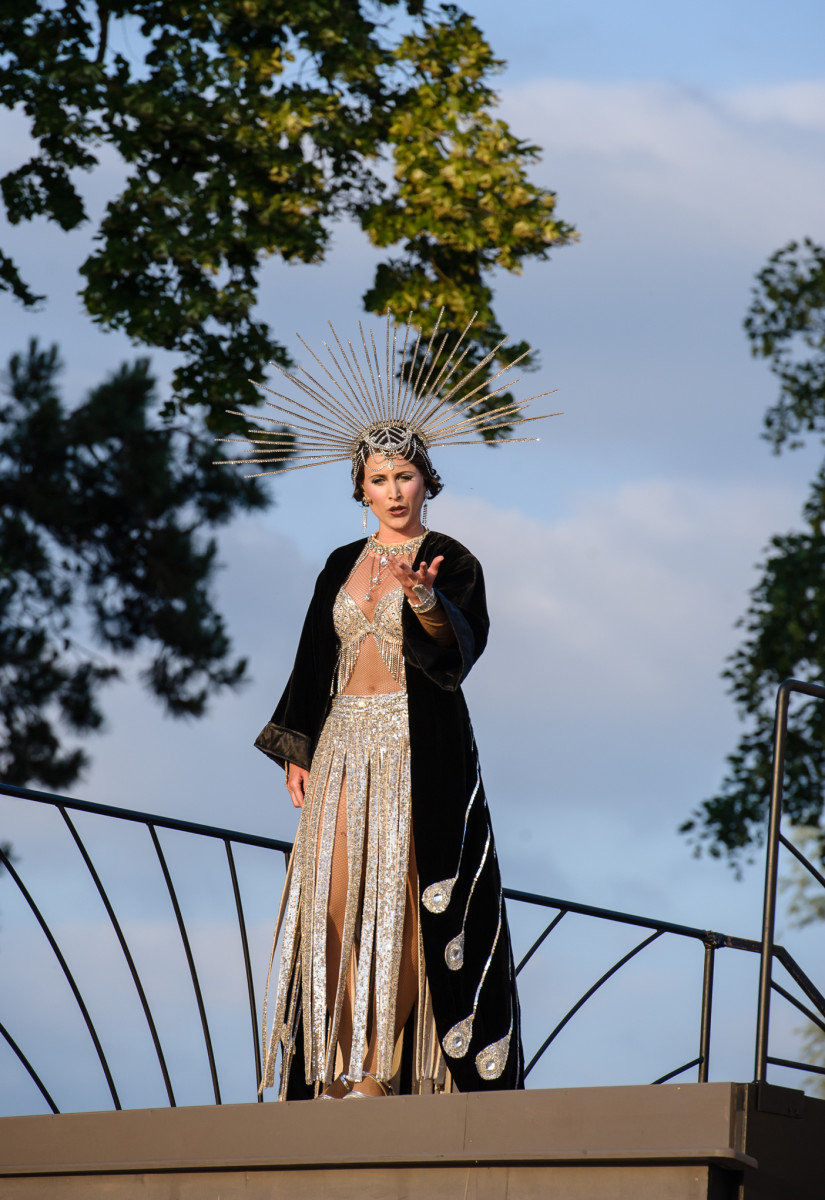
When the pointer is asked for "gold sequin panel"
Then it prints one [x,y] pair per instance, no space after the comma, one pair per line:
[364,748]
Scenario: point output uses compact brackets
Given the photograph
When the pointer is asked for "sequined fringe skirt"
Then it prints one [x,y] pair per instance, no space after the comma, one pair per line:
[363,755]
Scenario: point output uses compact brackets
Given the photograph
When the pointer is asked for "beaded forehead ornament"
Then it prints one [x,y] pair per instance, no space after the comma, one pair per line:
[358,409]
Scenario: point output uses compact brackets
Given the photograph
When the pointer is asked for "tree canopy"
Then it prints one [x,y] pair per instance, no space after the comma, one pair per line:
[101,518]
[785,622]
[244,130]
[247,129]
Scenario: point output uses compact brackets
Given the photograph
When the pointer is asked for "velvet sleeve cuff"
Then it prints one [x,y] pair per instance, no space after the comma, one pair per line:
[284,745]
[447,666]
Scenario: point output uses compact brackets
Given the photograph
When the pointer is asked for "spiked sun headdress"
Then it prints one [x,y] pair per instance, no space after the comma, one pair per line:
[360,408]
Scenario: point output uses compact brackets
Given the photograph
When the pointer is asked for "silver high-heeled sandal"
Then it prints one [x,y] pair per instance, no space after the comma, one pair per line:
[344,1086]
[354,1094]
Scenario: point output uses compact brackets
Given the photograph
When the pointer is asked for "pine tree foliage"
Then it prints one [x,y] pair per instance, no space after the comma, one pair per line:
[784,625]
[102,556]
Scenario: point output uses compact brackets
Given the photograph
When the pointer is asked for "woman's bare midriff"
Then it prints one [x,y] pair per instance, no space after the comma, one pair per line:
[370,676]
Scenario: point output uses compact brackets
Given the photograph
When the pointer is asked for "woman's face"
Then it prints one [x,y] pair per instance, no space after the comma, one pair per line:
[395,494]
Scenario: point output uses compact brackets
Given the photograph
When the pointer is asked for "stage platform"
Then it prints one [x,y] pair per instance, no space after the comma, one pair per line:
[720,1141]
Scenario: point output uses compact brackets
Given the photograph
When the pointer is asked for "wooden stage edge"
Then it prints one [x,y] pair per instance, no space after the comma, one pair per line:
[718,1141]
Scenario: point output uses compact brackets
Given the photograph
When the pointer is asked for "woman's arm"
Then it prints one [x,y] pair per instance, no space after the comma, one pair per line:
[459,593]
[435,622]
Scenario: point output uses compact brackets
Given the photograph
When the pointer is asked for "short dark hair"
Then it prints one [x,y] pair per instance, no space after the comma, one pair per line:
[420,459]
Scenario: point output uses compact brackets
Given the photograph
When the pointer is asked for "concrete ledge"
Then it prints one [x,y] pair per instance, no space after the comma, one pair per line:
[720,1141]
[668,1124]
[385,1183]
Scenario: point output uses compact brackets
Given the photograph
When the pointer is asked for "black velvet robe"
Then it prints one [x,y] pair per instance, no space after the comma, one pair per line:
[444,772]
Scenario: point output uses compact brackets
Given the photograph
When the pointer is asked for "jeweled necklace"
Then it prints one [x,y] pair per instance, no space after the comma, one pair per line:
[383,552]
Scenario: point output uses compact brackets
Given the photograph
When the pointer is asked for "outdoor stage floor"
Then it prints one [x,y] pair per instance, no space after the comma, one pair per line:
[671,1142]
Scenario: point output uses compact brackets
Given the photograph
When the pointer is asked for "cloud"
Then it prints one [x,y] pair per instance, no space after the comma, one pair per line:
[599,711]
[637,588]
[799,105]
[744,165]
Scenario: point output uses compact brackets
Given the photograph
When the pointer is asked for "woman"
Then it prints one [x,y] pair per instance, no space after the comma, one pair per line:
[396,972]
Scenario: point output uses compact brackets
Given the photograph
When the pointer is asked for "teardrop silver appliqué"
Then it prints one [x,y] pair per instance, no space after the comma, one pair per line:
[454,952]
[491,1061]
[436,897]
[456,1042]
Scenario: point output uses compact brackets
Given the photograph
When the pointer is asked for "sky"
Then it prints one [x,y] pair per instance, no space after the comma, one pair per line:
[686,144]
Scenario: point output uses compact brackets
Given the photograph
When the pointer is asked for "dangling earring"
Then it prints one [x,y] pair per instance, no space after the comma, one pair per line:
[366,505]
[424,518]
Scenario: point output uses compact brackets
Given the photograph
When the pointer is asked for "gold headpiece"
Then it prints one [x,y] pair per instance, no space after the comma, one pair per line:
[363,410]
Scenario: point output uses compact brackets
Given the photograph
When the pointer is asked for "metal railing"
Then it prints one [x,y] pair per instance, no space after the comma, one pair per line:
[64,805]
[710,940]
[654,931]
[769,951]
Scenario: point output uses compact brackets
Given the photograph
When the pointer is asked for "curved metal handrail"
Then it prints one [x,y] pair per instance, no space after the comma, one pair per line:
[130,962]
[768,949]
[144,818]
[250,987]
[711,940]
[152,822]
[540,940]
[35,1077]
[187,949]
[64,966]
[590,991]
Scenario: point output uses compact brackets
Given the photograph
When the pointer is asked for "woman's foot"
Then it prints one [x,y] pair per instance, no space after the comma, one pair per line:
[369,1086]
[339,1090]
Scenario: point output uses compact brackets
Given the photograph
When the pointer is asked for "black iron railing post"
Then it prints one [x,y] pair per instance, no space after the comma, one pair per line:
[711,942]
[780,738]
[250,987]
[763,1011]
[190,959]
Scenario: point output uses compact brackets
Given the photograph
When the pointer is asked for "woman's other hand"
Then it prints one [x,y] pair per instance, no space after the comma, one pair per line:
[408,578]
[296,783]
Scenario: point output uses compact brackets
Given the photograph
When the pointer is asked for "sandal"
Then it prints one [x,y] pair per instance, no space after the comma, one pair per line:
[357,1092]
[339,1089]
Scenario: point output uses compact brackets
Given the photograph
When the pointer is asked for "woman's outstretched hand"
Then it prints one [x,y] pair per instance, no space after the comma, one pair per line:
[408,578]
[296,782]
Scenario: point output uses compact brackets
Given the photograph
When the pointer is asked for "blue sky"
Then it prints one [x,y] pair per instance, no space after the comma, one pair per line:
[703,44]
[686,143]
